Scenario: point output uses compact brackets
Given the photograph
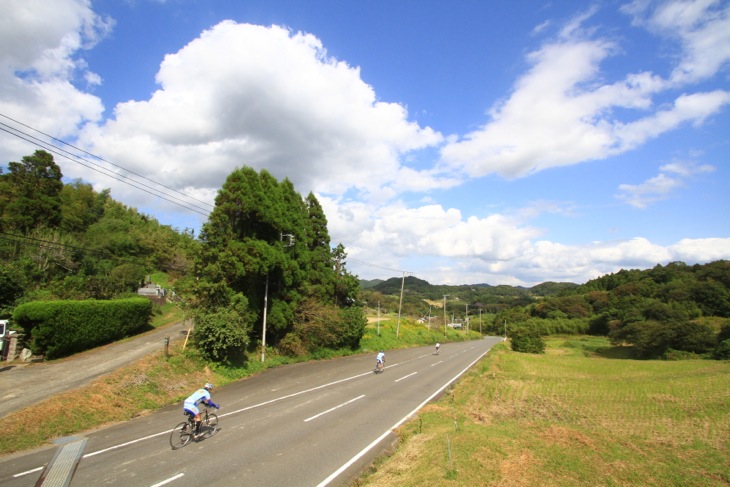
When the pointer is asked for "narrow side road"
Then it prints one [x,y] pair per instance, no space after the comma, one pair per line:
[22,385]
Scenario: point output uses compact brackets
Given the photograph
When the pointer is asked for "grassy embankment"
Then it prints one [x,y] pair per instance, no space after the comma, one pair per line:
[157,381]
[581,414]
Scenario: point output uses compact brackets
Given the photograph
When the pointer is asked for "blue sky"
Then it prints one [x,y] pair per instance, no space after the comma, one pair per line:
[463,142]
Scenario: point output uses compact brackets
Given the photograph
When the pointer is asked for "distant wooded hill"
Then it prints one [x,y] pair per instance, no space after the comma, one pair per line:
[662,310]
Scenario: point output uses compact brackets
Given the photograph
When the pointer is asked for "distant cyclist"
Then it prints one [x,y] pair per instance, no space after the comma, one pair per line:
[438,345]
[200,396]
[380,361]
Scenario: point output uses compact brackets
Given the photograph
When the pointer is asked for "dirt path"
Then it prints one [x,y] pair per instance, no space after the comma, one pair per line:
[23,385]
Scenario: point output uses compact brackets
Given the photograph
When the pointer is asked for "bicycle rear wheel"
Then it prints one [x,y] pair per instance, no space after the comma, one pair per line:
[181,435]
[211,425]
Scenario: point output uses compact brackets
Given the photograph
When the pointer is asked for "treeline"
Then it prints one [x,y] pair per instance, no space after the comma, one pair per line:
[67,241]
[666,311]
[263,245]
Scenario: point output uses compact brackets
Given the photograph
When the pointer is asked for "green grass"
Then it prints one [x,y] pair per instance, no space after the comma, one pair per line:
[571,417]
[168,313]
[408,334]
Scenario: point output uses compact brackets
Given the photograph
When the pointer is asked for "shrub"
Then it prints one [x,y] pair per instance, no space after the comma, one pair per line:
[527,340]
[652,339]
[319,326]
[222,335]
[722,351]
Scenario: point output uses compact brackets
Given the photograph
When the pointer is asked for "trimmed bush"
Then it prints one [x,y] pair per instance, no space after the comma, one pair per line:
[62,328]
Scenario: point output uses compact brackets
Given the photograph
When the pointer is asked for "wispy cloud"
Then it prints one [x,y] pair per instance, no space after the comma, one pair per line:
[670,178]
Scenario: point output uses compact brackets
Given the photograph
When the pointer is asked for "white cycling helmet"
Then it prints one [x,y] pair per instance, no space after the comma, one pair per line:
[208,386]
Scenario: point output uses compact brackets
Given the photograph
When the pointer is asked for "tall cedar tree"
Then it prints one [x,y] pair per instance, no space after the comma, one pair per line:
[30,195]
[263,231]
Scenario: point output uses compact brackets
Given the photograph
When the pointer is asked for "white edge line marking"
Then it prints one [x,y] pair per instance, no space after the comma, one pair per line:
[406,376]
[27,472]
[97,452]
[372,445]
[332,409]
[168,480]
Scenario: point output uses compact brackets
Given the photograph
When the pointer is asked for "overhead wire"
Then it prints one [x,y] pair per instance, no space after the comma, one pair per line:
[106,161]
[27,240]
[370,264]
[106,171]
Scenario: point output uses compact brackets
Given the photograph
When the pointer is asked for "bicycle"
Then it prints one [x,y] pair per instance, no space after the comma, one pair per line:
[184,432]
[378,367]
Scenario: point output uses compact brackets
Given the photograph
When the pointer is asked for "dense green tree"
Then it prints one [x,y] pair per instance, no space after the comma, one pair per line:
[30,195]
[81,206]
[712,297]
[526,340]
[652,339]
[10,291]
[346,284]
[321,278]
[265,243]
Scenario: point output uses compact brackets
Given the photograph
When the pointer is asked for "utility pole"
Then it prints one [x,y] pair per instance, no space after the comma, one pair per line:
[402,285]
[466,318]
[378,317]
[289,239]
[480,321]
[263,333]
[445,315]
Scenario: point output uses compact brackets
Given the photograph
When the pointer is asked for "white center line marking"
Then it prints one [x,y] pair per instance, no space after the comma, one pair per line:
[169,480]
[407,376]
[336,407]
[439,362]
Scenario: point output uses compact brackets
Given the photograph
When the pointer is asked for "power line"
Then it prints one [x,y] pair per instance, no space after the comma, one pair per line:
[104,160]
[25,240]
[78,159]
[370,264]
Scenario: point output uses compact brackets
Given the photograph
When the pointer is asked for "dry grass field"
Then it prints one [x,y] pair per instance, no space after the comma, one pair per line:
[570,417]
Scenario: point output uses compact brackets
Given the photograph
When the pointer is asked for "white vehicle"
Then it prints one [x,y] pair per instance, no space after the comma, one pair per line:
[3,333]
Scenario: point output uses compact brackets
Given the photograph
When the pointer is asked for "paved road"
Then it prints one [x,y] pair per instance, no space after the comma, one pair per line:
[22,385]
[311,424]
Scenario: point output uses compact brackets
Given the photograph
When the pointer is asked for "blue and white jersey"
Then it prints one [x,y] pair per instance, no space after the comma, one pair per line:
[201,395]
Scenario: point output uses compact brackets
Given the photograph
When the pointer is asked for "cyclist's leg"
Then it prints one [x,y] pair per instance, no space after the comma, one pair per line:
[193,411]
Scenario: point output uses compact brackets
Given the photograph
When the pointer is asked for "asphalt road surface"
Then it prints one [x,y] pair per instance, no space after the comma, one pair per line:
[310,424]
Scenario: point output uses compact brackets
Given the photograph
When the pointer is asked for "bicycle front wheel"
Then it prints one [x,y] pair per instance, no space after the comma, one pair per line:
[181,435]
[211,425]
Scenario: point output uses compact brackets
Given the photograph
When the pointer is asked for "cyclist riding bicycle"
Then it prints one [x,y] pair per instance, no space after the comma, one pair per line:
[380,360]
[190,406]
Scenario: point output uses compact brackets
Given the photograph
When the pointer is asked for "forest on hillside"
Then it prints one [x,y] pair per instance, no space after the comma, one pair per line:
[664,311]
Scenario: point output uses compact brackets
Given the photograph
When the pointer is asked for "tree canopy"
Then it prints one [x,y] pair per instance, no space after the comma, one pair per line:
[264,245]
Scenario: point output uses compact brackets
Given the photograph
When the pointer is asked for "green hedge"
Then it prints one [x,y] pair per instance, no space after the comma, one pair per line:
[61,328]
